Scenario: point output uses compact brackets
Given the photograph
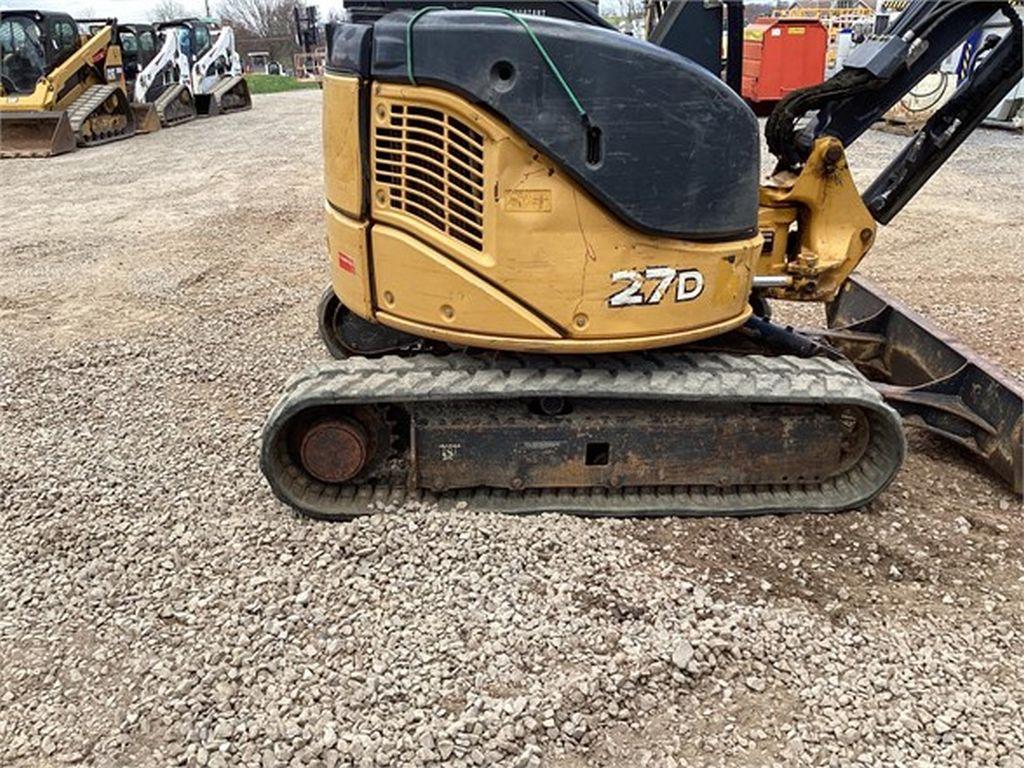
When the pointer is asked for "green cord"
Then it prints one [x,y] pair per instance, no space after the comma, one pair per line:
[544,55]
[408,37]
[522,22]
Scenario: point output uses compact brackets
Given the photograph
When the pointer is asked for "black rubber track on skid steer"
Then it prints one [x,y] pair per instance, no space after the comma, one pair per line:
[90,103]
[684,377]
[176,106]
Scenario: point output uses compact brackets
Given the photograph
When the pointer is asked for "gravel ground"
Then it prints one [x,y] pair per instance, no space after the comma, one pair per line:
[158,607]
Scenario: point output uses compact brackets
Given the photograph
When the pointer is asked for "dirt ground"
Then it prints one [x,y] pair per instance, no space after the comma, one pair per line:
[158,606]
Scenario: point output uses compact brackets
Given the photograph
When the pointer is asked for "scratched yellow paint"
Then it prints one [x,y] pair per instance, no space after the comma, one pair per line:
[549,263]
[543,275]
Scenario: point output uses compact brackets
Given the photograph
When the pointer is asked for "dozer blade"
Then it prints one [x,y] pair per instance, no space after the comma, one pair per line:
[229,95]
[35,134]
[146,118]
[932,380]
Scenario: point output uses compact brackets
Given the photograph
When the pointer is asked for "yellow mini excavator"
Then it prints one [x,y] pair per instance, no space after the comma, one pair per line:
[551,265]
[56,90]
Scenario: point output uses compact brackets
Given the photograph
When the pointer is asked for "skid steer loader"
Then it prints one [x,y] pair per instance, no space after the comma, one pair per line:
[139,44]
[214,72]
[135,42]
[551,265]
[56,90]
[163,81]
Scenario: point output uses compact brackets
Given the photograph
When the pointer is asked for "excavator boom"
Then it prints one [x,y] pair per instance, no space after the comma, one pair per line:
[879,72]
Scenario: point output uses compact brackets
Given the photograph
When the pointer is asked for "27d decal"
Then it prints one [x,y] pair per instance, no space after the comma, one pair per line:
[689,283]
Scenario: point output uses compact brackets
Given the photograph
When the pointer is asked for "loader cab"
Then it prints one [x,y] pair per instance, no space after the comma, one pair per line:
[194,36]
[33,44]
[138,47]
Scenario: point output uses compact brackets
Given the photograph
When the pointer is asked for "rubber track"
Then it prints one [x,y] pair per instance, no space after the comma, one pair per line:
[85,105]
[169,98]
[225,86]
[682,377]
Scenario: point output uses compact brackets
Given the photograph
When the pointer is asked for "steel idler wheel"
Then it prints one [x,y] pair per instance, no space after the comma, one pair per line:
[334,449]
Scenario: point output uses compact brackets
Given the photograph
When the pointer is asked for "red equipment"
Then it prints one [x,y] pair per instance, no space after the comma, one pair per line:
[782,55]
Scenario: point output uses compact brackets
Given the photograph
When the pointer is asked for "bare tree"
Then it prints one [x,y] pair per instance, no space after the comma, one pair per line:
[166,10]
[752,11]
[627,15]
[262,18]
[265,25]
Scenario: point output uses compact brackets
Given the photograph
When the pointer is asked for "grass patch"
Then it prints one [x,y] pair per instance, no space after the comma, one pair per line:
[275,84]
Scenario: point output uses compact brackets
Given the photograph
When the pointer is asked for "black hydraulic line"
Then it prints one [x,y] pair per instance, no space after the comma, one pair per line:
[780,131]
[784,340]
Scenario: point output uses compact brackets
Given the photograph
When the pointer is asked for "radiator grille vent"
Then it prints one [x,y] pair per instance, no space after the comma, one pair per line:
[432,165]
